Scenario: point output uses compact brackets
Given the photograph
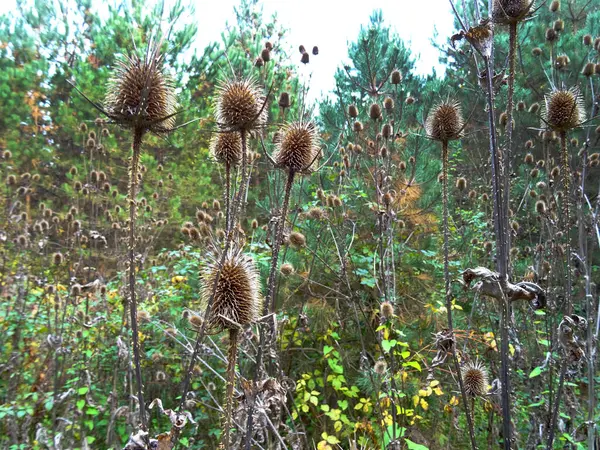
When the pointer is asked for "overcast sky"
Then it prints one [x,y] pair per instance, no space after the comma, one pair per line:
[330,24]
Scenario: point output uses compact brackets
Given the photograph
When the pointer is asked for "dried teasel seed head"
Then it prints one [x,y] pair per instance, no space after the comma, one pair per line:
[534,173]
[380,367]
[529,158]
[240,106]
[297,239]
[141,95]
[488,246]
[445,122]
[76,290]
[375,111]
[540,207]
[11,180]
[305,58]
[386,309]
[160,376]
[587,40]
[286,269]
[353,111]
[461,183]
[386,131]
[554,6]
[143,316]
[588,70]
[402,166]
[58,258]
[528,145]
[226,148]
[503,119]
[536,51]
[534,108]
[410,100]
[472,194]
[388,104]
[265,54]
[515,226]
[551,35]
[299,147]
[521,106]
[259,62]
[284,100]
[511,11]
[563,110]
[559,25]
[574,142]
[396,77]
[315,50]
[237,299]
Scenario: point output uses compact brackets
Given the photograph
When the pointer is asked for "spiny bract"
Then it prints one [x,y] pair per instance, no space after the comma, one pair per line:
[226,148]
[563,110]
[445,122]
[240,106]
[237,298]
[511,11]
[140,94]
[298,148]
[475,379]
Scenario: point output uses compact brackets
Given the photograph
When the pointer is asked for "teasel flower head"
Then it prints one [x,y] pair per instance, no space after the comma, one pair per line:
[511,11]
[299,147]
[445,122]
[563,110]
[240,105]
[141,94]
[226,148]
[475,379]
[237,299]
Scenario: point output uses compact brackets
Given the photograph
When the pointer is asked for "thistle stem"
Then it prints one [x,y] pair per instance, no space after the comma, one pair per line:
[566,175]
[133,174]
[501,231]
[448,294]
[231,359]
[510,106]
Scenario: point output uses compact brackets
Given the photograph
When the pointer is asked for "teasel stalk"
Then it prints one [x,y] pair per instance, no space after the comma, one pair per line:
[240,108]
[140,97]
[511,13]
[563,112]
[444,124]
[236,303]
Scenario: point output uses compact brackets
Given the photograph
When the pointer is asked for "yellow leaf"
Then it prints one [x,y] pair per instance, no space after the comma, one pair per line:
[434,383]
[424,404]
[416,399]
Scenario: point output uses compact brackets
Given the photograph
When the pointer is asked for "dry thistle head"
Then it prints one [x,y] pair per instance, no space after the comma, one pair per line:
[445,122]
[226,148]
[240,105]
[237,297]
[140,94]
[299,147]
[286,269]
[396,77]
[563,110]
[298,240]
[475,379]
[380,367]
[386,310]
[511,11]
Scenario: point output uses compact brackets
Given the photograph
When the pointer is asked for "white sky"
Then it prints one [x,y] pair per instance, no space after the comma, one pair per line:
[330,24]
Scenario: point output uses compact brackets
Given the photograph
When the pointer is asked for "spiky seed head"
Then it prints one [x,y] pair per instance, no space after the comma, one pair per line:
[551,35]
[487,246]
[380,367]
[475,379]
[511,11]
[286,269]
[11,180]
[554,6]
[386,309]
[540,207]
[299,147]
[269,45]
[445,122]
[298,240]
[265,54]
[226,148]
[528,145]
[302,49]
[588,69]
[7,154]
[461,183]
[386,131]
[305,58]
[76,290]
[528,158]
[141,94]
[353,111]
[237,297]
[472,194]
[259,62]
[58,258]
[534,108]
[587,40]
[240,106]
[143,316]
[503,119]
[410,100]
[315,50]
[396,77]
[388,104]
[563,110]
[375,111]
[521,106]
[536,51]
[284,100]
[559,25]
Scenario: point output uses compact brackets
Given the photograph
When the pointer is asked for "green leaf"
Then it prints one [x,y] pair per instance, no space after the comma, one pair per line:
[327,349]
[83,390]
[414,446]
[414,364]
[80,404]
[387,345]
[535,372]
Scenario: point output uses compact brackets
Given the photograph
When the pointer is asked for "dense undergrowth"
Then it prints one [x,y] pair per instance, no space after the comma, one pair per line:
[408,264]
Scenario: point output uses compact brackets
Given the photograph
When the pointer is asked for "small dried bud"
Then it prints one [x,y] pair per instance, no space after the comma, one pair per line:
[375,111]
[353,111]
[396,77]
